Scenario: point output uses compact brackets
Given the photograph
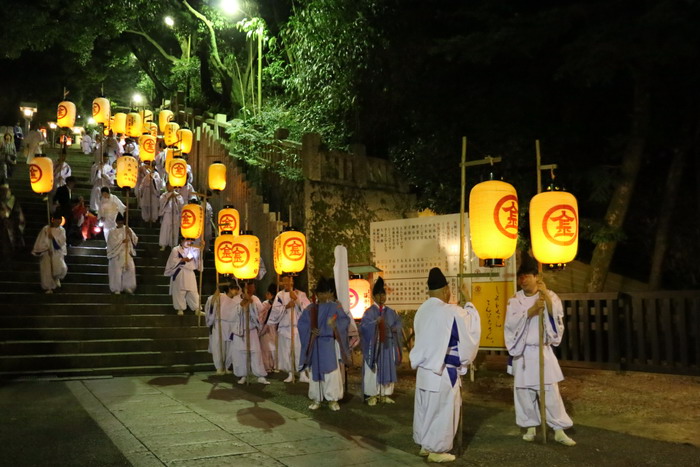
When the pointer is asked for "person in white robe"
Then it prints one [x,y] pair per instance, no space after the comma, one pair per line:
[107,211]
[244,350]
[61,171]
[446,342]
[208,222]
[121,249]
[101,176]
[159,161]
[112,148]
[150,188]
[170,208]
[86,143]
[50,247]
[131,147]
[33,142]
[218,313]
[287,308]
[521,332]
[181,265]
[268,334]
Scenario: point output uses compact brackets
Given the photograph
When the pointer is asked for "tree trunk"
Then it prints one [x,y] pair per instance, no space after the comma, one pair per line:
[162,91]
[212,97]
[631,161]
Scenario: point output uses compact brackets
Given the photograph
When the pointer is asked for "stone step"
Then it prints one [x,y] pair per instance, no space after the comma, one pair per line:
[109,371]
[144,276]
[36,298]
[88,333]
[11,348]
[104,308]
[105,321]
[100,285]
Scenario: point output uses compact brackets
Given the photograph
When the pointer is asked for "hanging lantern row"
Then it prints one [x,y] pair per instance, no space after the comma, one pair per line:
[360,293]
[127,171]
[101,110]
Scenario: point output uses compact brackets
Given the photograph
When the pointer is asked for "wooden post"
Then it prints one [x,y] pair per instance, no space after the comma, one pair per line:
[543,408]
[463,166]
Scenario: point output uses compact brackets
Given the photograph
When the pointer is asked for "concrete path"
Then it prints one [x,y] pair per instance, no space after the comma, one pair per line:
[196,421]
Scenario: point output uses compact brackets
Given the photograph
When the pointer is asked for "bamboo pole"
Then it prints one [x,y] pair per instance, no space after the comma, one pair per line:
[463,166]
[543,408]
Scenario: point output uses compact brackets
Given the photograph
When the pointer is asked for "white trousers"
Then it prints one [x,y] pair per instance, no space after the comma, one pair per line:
[184,298]
[330,388]
[370,386]
[239,360]
[284,352]
[436,416]
[52,267]
[527,408]
[121,279]
[215,348]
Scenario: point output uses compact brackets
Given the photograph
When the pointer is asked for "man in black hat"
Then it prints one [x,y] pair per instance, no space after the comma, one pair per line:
[522,340]
[447,340]
[380,329]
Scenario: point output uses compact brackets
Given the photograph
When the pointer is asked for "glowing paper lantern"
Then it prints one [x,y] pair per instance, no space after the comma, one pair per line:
[170,134]
[192,221]
[245,256]
[554,227]
[164,117]
[185,138]
[153,129]
[41,174]
[127,171]
[169,155]
[119,123]
[290,252]
[147,148]
[133,125]
[229,220]
[223,253]
[65,114]
[101,110]
[177,174]
[217,176]
[360,293]
[493,221]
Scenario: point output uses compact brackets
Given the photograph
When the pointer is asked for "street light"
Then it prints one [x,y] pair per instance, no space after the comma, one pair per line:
[28,110]
[230,7]
[169,21]
[137,98]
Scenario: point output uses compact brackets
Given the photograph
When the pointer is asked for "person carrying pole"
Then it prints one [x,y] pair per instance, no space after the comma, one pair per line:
[244,350]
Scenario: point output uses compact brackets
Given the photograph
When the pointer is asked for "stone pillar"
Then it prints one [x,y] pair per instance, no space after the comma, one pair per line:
[310,157]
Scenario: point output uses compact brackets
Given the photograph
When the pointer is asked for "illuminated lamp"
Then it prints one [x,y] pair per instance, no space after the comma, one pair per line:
[127,171]
[169,155]
[192,221]
[217,176]
[164,117]
[170,134]
[245,256]
[101,110]
[184,140]
[147,148]
[223,258]
[229,220]
[290,252]
[65,114]
[119,123]
[177,173]
[41,174]
[153,129]
[493,221]
[360,293]
[133,125]
[554,227]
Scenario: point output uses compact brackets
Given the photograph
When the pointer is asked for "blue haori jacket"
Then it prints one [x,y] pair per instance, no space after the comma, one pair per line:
[384,354]
[319,353]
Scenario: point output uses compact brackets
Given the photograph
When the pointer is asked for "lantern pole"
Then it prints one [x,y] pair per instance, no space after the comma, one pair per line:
[217,304]
[543,408]
[126,232]
[202,245]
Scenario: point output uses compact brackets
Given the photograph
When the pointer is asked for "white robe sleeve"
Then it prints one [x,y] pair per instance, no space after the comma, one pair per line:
[469,327]
[515,327]
[554,320]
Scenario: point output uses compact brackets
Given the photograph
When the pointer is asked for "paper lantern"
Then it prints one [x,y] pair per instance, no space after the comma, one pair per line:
[169,155]
[147,148]
[290,252]
[360,293]
[41,174]
[554,227]
[133,125]
[153,129]
[177,174]
[170,134]
[185,139]
[229,220]
[223,253]
[493,221]
[101,110]
[217,176]
[65,114]
[192,221]
[245,256]
[127,171]
[164,117]
[119,123]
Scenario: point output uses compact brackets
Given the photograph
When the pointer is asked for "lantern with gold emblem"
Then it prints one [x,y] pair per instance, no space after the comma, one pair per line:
[147,148]
[493,221]
[164,117]
[554,227]
[101,110]
[41,174]
[245,256]
[133,125]
[65,115]
[170,134]
[153,129]
[229,220]
[169,156]
[177,174]
[146,120]
[223,257]
[217,176]
[192,221]
[119,123]
[360,293]
[290,252]
[127,171]
[184,140]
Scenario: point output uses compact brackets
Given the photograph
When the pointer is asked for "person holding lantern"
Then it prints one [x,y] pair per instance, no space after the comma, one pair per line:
[121,248]
[50,247]
[522,340]
[447,340]
[286,311]
[268,334]
[182,262]
[323,330]
[102,175]
[110,206]
[61,171]
[219,318]
[150,187]
[171,204]
[244,351]
[380,329]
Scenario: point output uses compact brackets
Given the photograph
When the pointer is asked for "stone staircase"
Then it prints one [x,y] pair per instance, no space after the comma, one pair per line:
[82,329]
